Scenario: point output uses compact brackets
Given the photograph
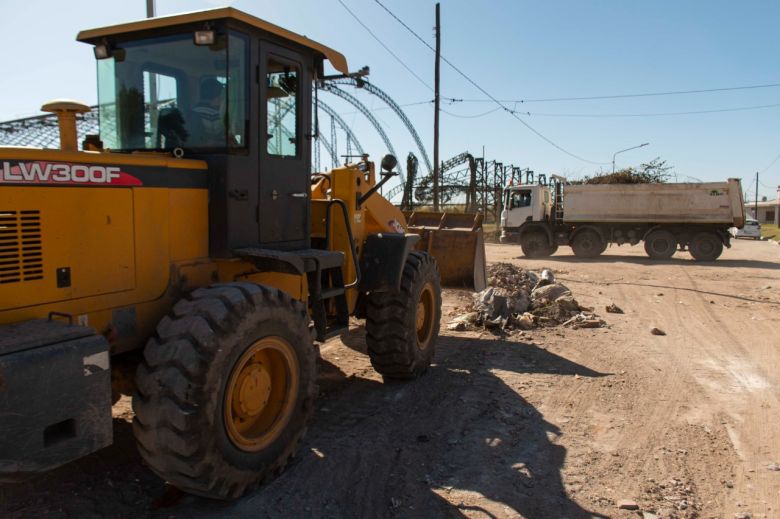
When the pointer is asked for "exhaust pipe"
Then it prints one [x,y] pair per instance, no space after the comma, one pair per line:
[66,111]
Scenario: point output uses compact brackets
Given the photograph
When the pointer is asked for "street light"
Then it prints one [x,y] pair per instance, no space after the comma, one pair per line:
[621,151]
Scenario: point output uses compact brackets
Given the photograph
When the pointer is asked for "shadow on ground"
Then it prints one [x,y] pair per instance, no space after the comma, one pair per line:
[455,441]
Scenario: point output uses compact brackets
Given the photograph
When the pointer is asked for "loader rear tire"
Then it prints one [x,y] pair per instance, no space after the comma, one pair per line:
[225,389]
[402,327]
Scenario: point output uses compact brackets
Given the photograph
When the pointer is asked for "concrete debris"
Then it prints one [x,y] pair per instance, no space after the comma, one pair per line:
[511,277]
[627,504]
[657,331]
[526,321]
[550,292]
[545,278]
[585,320]
[522,300]
[612,308]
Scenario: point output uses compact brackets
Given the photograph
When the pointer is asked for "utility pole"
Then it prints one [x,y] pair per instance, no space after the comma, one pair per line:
[436,115]
[755,211]
[150,9]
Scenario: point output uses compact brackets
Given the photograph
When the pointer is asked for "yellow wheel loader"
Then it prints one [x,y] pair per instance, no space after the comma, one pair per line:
[188,257]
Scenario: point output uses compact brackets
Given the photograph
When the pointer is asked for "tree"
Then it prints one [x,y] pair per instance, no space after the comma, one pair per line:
[656,171]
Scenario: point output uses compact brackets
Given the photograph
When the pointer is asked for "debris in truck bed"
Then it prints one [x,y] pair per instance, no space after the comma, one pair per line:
[521,299]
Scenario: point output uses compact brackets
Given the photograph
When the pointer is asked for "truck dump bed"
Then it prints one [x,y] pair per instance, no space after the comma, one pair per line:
[703,203]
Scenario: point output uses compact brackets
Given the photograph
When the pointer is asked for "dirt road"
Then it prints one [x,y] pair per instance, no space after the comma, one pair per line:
[551,423]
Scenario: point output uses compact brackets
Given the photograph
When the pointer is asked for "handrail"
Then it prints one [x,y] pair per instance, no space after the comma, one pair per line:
[345,213]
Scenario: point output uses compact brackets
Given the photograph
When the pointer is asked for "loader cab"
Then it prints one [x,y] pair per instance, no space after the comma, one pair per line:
[229,89]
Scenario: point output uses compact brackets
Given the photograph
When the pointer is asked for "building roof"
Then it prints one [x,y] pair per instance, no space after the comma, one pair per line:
[768,203]
[336,59]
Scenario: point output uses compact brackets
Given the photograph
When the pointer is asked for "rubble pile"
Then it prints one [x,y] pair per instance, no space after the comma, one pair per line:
[518,299]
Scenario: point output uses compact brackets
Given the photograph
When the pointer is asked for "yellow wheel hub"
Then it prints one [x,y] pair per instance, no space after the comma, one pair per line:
[261,393]
[425,316]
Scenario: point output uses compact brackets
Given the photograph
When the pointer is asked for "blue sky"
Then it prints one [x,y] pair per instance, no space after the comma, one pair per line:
[514,50]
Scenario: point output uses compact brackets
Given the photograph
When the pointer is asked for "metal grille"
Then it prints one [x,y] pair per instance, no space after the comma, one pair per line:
[21,248]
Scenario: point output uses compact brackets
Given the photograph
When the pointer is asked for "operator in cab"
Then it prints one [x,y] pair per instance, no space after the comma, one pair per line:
[206,121]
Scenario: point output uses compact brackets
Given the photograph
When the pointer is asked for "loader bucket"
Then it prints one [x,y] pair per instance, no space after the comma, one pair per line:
[456,241]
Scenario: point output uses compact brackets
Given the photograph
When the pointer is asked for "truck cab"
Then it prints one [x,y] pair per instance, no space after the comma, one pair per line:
[524,203]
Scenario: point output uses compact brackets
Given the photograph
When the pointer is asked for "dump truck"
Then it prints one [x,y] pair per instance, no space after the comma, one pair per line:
[588,218]
[187,257]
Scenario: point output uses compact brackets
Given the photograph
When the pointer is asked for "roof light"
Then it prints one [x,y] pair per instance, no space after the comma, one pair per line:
[204,37]
[102,51]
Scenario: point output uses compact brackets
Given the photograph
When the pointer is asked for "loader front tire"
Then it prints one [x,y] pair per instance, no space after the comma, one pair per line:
[225,389]
[402,326]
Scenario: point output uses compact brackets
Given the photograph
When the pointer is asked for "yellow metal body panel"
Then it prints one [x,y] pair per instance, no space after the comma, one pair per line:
[188,224]
[347,184]
[336,59]
[88,233]
[239,270]
[163,160]
[132,251]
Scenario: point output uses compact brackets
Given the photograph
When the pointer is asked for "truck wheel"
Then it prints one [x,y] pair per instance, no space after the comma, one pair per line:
[706,246]
[660,244]
[402,327]
[535,245]
[225,389]
[588,244]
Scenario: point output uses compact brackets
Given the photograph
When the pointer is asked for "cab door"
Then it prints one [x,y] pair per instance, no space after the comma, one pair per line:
[284,149]
[519,206]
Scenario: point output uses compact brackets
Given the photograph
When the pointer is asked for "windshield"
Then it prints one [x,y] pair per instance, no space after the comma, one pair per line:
[164,93]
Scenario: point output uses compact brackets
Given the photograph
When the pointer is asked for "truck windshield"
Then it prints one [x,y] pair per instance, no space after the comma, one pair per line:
[165,93]
[520,199]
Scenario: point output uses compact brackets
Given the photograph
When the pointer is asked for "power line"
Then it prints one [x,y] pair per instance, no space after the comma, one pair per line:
[620,96]
[771,164]
[499,103]
[475,116]
[393,54]
[389,108]
[654,114]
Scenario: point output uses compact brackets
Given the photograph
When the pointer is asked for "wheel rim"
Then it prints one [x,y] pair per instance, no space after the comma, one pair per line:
[660,246]
[424,316]
[706,246]
[589,243]
[261,393]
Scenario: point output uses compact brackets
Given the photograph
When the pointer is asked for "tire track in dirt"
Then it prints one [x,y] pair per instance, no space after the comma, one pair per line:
[738,384]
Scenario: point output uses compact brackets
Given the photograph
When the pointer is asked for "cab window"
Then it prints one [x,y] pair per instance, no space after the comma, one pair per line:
[167,92]
[521,198]
[283,132]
